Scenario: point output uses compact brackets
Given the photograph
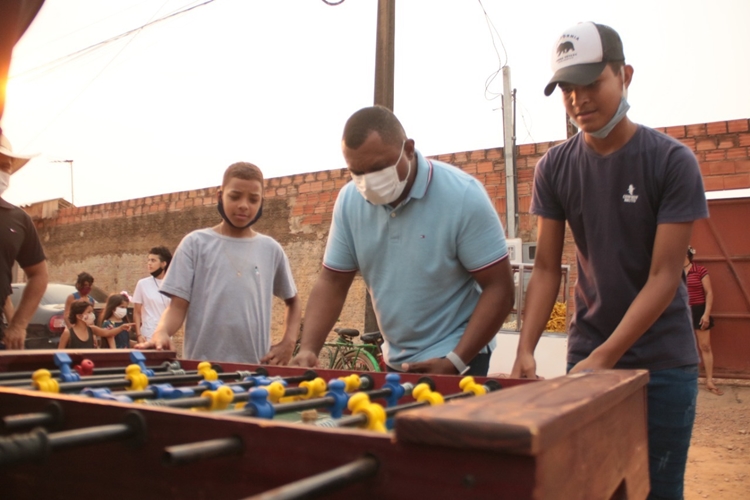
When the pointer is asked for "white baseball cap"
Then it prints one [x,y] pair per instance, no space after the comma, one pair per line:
[581,54]
[5,149]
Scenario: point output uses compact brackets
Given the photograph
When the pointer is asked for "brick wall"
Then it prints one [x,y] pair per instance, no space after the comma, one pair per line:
[111,240]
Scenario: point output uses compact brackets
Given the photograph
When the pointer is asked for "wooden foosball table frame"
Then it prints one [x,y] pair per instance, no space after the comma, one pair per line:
[574,437]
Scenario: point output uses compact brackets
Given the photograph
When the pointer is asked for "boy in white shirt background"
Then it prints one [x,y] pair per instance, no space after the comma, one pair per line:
[148,302]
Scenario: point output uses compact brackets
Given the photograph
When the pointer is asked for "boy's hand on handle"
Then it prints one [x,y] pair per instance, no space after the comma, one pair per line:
[305,359]
[524,367]
[593,362]
[160,342]
[280,354]
[435,365]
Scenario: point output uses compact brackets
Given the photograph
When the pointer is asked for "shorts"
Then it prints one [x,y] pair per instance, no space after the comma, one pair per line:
[698,311]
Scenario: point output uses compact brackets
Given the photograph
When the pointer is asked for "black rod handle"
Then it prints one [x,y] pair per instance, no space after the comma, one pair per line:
[51,417]
[324,483]
[194,452]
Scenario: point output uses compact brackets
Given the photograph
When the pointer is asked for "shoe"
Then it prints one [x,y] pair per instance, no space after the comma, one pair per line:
[715,390]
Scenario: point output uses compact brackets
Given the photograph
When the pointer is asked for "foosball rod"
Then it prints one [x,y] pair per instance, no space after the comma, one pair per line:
[323,483]
[193,452]
[205,401]
[51,417]
[308,404]
[114,383]
[361,419]
[97,371]
[161,375]
[38,444]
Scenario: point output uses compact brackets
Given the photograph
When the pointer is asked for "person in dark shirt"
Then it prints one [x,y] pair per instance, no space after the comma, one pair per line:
[630,196]
[19,243]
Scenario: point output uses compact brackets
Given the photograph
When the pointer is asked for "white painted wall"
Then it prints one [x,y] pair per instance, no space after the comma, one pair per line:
[550,354]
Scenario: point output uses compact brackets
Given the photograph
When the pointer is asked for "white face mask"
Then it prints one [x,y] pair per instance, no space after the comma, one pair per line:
[120,312]
[88,318]
[4,181]
[384,186]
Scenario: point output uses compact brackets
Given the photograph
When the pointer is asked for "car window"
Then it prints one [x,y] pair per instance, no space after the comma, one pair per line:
[57,294]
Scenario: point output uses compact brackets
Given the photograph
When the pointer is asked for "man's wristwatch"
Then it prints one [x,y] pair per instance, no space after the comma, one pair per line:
[457,362]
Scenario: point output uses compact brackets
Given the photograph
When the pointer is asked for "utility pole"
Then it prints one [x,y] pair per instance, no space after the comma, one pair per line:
[384,53]
[384,76]
[70,163]
[509,149]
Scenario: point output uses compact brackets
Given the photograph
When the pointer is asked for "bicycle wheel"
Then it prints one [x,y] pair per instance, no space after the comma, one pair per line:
[357,360]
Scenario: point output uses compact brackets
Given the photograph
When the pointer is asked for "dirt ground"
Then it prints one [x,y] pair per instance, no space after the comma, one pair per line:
[719,458]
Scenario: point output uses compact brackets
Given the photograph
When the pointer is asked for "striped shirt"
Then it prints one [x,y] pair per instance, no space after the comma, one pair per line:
[696,294]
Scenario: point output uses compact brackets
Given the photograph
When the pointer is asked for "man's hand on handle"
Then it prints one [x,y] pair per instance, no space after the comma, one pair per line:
[441,366]
[280,354]
[305,359]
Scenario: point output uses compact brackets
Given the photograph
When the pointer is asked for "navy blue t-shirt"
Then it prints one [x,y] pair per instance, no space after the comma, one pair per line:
[613,205]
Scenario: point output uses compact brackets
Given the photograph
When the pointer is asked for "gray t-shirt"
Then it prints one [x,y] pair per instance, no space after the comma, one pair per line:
[229,283]
[613,205]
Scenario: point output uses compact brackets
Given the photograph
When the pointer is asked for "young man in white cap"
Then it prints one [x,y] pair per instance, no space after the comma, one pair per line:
[630,195]
[19,242]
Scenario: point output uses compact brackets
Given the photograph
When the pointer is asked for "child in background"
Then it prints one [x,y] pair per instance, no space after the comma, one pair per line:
[81,334]
[115,314]
[84,282]
[222,280]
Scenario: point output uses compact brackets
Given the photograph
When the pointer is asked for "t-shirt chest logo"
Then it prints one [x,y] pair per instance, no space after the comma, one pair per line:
[630,197]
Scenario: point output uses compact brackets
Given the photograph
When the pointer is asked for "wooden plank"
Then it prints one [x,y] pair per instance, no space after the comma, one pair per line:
[522,420]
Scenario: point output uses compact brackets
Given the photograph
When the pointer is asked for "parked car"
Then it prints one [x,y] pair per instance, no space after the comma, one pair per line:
[47,324]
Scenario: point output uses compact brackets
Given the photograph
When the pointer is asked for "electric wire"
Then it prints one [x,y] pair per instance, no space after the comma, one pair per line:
[488,94]
[92,80]
[43,68]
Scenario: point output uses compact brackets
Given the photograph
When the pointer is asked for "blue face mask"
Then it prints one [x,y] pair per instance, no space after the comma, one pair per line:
[622,110]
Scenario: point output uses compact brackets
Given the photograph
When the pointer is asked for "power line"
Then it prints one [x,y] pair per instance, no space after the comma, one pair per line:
[493,31]
[73,55]
[79,94]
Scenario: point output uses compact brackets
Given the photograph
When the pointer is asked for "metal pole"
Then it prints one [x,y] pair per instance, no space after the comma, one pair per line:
[508,150]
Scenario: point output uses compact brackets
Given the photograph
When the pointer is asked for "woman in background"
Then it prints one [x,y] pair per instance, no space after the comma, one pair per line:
[701,297]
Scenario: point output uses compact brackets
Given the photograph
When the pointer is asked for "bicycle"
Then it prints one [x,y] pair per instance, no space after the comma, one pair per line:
[345,354]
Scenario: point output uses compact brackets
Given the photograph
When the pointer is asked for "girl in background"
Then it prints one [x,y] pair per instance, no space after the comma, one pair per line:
[114,315]
[701,298]
[81,334]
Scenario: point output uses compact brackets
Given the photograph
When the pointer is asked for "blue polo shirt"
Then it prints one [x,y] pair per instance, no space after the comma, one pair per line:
[416,259]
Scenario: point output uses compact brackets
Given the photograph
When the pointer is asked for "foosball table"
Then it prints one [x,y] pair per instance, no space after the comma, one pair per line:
[131,424]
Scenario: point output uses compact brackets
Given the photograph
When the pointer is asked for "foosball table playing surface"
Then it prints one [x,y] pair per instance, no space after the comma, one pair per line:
[130,424]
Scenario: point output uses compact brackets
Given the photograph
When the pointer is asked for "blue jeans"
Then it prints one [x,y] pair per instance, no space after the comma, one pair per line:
[671,411]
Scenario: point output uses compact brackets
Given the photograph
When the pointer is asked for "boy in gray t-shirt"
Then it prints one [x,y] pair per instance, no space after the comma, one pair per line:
[630,196]
[222,280]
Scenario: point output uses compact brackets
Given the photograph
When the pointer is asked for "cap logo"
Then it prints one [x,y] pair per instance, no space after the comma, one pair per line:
[564,48]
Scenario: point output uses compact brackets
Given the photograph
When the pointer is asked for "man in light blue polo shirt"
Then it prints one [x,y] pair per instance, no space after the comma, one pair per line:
[429,245]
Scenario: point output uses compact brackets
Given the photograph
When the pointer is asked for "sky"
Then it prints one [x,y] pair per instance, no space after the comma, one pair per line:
[170,106]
